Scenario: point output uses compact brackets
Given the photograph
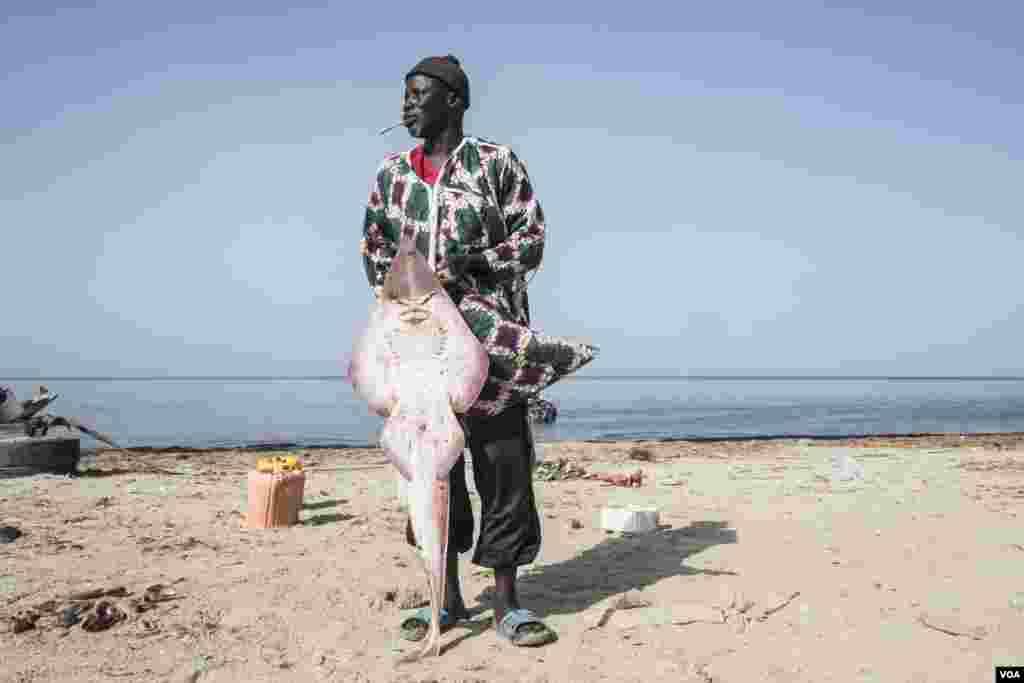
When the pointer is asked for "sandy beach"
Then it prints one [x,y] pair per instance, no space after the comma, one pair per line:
[766,567]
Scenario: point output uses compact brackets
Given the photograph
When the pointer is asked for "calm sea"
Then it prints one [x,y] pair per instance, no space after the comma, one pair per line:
[209,412]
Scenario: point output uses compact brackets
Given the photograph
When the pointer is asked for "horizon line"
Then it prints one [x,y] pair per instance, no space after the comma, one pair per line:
[776,377]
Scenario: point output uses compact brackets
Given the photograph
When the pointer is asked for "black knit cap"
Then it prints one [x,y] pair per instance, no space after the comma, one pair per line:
[447,70]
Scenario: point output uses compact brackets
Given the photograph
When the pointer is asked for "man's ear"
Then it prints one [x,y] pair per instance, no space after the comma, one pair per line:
[454,100]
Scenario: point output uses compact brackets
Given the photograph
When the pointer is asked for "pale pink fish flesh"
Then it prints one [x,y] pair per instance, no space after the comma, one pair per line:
[417,364]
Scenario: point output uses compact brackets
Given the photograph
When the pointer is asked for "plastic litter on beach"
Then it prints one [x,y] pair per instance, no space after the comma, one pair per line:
[634,520]
[23,621]
[559,470]
[631,480]
[9,534]
[96,609]
[69,616]
[103,616]
[845,468]
[563,469]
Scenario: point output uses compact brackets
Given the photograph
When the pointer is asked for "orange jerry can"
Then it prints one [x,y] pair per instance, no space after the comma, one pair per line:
[276,489]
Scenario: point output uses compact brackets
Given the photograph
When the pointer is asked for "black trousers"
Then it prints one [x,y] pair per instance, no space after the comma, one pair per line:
[503,456]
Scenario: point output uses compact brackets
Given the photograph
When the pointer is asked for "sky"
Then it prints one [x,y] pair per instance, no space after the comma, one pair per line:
[730,188]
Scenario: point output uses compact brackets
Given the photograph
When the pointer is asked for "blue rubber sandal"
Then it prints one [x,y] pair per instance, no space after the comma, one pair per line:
[512,629]
[416,626]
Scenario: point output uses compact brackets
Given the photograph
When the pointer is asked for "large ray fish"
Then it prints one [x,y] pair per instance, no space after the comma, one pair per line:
[417,364]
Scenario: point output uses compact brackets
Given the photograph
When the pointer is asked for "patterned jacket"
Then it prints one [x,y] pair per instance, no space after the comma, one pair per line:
[482,203]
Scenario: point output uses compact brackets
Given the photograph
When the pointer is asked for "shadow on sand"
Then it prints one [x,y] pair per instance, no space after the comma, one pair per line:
[321,504]
[619,564]
[320,520]
[616,565]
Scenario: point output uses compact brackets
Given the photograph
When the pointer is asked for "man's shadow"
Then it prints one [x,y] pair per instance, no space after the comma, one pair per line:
[325,518]
[615,565]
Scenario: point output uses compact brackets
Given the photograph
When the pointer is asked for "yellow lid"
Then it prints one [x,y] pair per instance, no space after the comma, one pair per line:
[279,463]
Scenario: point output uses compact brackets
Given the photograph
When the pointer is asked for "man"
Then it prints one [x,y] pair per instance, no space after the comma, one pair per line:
[469,206]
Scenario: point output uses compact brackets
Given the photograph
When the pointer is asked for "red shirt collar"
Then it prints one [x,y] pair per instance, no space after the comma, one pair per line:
[422,166]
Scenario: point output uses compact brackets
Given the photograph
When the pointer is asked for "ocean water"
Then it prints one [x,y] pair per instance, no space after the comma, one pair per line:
[213,412]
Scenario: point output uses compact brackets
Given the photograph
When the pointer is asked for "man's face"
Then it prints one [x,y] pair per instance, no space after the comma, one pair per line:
[425,108]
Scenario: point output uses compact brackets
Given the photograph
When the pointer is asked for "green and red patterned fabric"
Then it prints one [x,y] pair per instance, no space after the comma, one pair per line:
[482,202]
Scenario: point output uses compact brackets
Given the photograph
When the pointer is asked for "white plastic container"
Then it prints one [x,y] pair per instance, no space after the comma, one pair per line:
[631,520]
[845,468]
